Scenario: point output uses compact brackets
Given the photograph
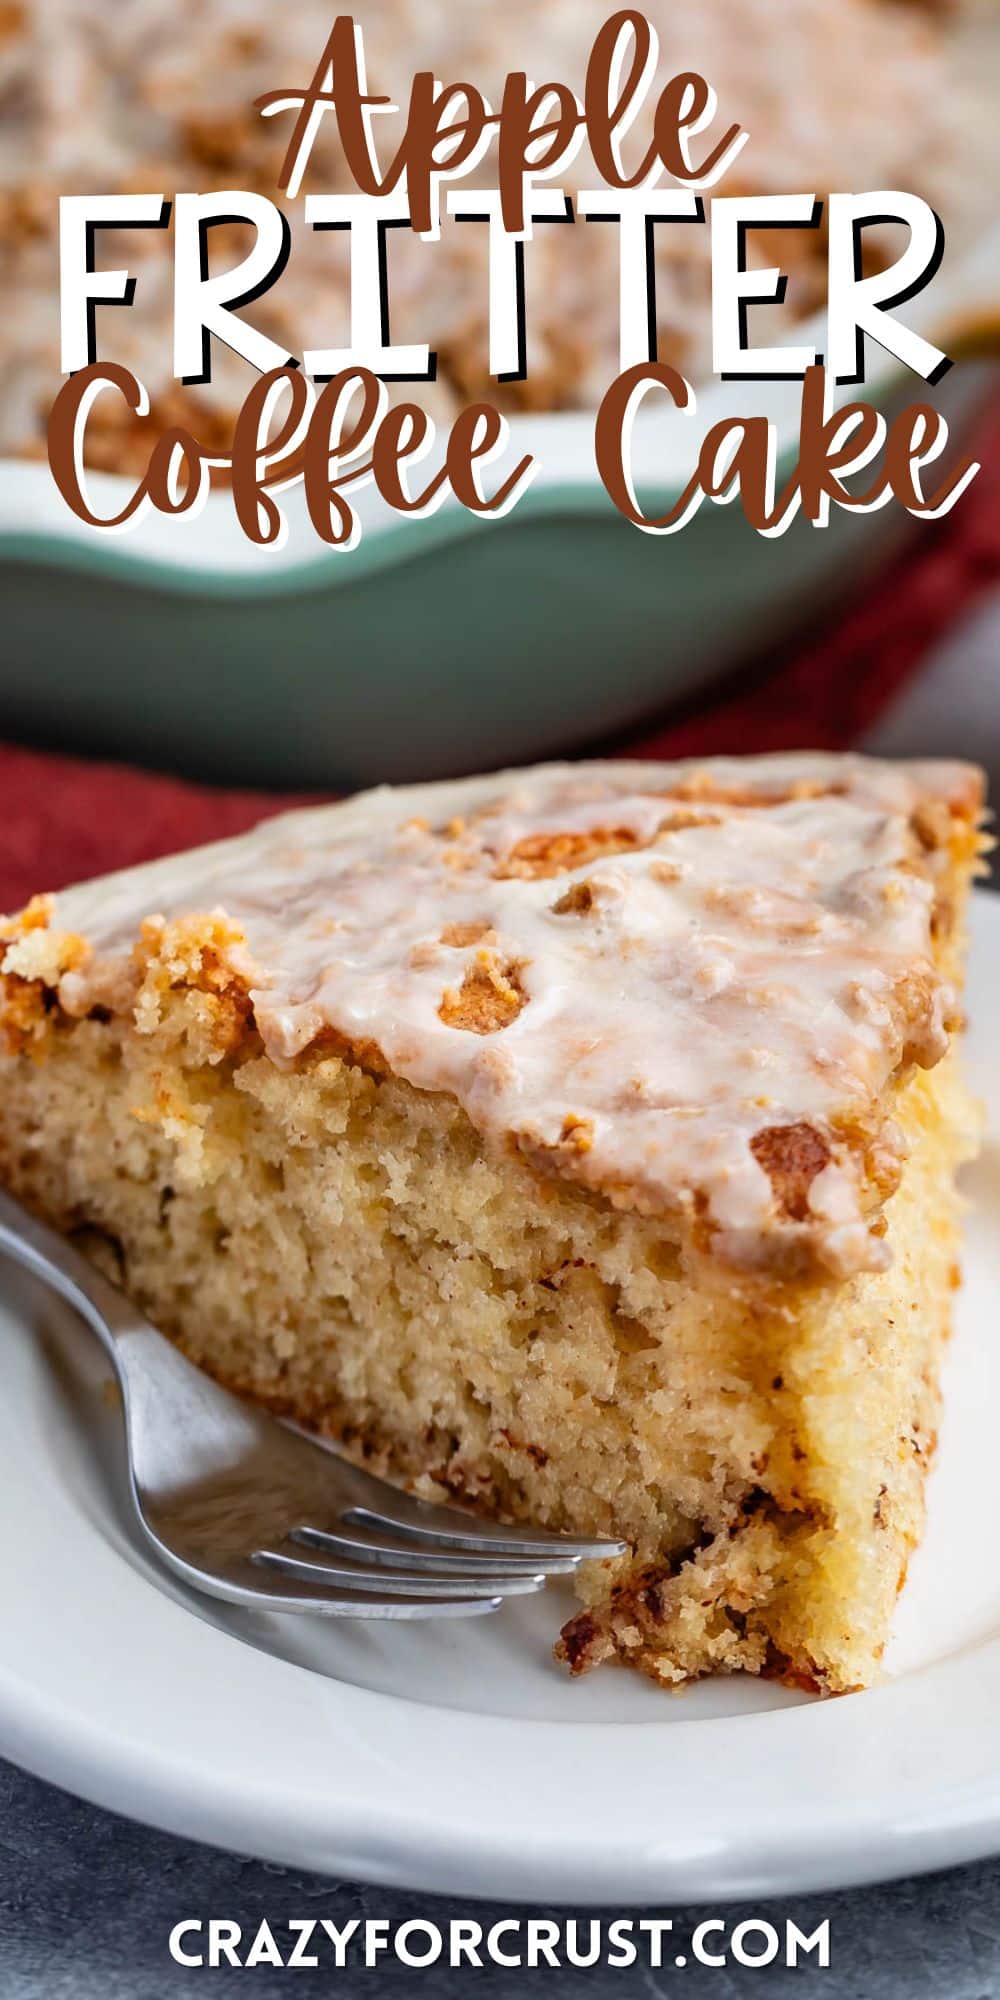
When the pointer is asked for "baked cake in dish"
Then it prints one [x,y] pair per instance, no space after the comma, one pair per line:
[160,95]
[578,1143]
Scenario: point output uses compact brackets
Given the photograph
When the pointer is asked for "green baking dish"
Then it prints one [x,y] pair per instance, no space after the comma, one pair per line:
[435,646]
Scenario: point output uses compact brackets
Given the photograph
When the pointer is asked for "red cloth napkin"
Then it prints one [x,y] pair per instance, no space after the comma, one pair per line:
[64,819]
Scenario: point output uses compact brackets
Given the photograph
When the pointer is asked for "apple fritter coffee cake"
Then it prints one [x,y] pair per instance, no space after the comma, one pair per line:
[579,1143]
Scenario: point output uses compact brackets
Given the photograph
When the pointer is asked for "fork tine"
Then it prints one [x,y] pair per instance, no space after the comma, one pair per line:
[346,1604]
[392,1584]
[397,1555]
[438,1532]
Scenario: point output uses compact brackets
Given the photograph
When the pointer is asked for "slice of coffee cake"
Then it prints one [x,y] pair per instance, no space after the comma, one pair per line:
[576,1142]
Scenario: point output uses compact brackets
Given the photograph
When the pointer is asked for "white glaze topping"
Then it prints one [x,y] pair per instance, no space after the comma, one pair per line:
[713,951]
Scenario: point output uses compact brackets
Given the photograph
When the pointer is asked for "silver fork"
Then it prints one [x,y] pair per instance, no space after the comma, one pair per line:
[263,1515]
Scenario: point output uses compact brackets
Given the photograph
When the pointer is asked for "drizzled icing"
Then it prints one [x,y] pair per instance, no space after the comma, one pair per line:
[632,971]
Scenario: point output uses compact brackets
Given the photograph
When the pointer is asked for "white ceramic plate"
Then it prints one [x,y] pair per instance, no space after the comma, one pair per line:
[457,1757]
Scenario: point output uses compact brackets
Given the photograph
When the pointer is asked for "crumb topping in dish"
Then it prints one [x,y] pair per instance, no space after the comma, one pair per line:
[684,986]
[160,94]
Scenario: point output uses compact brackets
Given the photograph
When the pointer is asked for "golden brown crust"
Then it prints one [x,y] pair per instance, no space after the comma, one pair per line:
[538,855]
[791,1156]
[490,997]
[30,968]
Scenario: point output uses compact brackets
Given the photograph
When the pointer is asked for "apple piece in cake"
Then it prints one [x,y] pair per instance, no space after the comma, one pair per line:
[578,1143]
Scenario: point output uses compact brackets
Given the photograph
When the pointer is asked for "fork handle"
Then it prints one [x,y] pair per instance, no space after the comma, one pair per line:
[48,1256]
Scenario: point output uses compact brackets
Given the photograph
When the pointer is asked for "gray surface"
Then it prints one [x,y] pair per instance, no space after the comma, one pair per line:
[87,1901]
